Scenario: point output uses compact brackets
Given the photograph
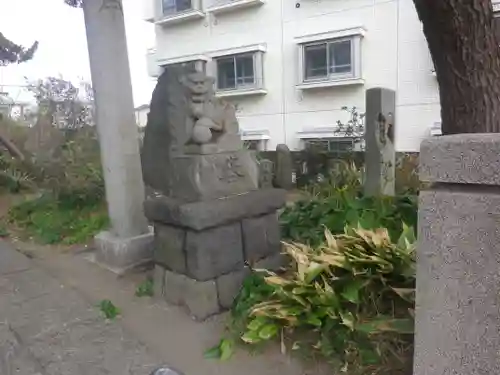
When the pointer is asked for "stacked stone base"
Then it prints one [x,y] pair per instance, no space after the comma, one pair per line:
[202,250]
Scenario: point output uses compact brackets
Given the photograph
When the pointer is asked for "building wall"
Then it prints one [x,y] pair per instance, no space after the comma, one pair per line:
[394,55]
[141,116]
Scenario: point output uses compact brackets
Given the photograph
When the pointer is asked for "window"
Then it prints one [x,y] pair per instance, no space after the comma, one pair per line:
[254,145]
[236,72]
[328,60]
[338,146]
[170,7]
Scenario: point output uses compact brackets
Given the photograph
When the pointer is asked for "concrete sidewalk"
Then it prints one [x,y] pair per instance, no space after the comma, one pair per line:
[49,329]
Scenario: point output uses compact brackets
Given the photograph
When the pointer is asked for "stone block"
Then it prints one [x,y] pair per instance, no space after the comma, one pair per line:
[199,297]
[202,177]
[284,168]
[122,254]
[208,214]
[458,264]
[461,159]
[214,252]
[169,247]
[229,285]
[458,278]
[272,262]
[261,237]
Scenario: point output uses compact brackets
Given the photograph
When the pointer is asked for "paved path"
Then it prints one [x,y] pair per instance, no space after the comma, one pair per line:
[49,329]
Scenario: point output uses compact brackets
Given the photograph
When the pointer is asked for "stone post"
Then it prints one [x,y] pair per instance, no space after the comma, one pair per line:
[380,154]
[284,168]
[458,267]
[128,243]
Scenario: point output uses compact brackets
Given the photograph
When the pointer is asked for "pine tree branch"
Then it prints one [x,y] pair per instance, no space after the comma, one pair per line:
[13,53]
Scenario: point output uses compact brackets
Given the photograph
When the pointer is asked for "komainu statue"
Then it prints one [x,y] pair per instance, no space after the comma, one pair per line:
[192,138]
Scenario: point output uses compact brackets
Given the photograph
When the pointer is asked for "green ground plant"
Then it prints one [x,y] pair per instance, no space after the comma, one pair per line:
[145,289]
[350,299]
[108,309]
[68,179]
[348,294]
[50,221]
[305,220]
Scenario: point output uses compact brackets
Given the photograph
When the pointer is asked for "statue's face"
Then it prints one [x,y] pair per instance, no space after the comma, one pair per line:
[198,83]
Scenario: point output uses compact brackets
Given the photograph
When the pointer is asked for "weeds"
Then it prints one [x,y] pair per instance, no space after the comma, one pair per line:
[145,289]
[108,309]
[50,222]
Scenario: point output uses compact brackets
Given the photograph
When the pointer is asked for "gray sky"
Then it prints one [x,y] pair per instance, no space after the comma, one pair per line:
[60,31]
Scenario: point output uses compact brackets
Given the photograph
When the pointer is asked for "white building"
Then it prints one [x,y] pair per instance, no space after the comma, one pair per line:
[141,115]
[291,65]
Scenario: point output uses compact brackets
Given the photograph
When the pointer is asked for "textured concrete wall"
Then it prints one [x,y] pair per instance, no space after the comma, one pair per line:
[458,267]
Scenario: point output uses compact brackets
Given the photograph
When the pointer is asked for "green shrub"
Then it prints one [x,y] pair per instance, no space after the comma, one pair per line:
[13,175]
[74,174]
[350,299]
[305,220]
[50,221]
[343,175]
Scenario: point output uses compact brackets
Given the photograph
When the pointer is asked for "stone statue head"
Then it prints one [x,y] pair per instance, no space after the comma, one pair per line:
[198,84]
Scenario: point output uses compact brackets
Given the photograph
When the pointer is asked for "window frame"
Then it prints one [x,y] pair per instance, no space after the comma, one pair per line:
[257,65]
[329,75]
[309,144]
[354,77]
[162,8]
[234,59]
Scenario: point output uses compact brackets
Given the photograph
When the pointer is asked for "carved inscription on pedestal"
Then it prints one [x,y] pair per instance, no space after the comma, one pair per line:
[230,169]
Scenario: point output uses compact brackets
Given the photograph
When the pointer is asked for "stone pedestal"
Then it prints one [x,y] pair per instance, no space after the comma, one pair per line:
[202,249]
[120,255]
[458,266]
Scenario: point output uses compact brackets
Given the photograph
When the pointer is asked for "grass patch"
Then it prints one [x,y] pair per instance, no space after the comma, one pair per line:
[108,309]
[145,289]
[51,222]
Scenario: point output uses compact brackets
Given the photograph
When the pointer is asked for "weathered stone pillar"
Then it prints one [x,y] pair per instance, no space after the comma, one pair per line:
[129,240]
[284,168]
[380,154]
[458,267]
